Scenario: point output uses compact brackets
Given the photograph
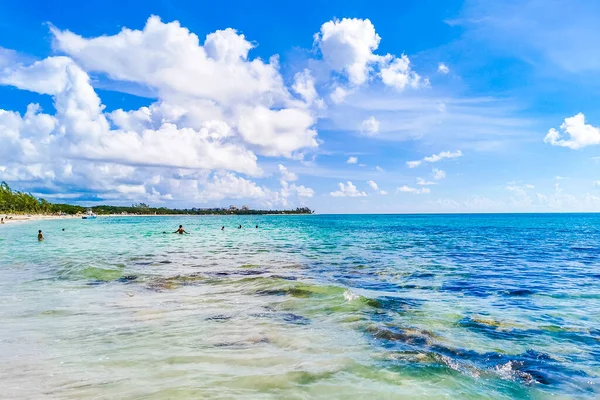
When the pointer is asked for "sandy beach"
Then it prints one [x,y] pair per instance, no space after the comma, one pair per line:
[20,218]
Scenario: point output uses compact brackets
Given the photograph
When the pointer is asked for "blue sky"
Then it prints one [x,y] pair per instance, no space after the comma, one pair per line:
[411,106]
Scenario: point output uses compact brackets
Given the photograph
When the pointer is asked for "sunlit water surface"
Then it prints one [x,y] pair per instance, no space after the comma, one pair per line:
[471,306]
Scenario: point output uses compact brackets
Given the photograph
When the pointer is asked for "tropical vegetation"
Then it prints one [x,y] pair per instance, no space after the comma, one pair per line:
[16,202]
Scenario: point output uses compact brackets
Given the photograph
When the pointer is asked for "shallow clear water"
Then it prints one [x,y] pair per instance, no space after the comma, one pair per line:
[459,306]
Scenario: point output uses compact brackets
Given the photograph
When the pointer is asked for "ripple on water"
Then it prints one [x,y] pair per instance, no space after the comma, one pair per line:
[314,307]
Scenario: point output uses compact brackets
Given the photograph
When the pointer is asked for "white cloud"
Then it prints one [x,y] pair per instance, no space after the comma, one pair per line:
[395,72]
[304,85]
[217,76]
[596,183]
[443,68]
[286,175]
[228,185]
[339,94]
[378,168]
[303,191]
[375,187]
[348,47]
[435,158]
[287,190]
[362,165]
[277,132]
[438,174]
[407,189]
[580,134]
[347,190]
[370,126]
[414,164]
[423,182]
[215,110]
[352,160]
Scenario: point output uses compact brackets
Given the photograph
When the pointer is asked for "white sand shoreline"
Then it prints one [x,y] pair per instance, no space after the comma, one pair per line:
[10,219]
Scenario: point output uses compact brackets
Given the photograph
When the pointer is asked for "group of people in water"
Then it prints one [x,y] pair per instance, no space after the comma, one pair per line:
[182,231]
[41,235]
[179,230]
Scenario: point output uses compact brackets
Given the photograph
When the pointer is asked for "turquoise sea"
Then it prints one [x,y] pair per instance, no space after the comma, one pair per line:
[302,307]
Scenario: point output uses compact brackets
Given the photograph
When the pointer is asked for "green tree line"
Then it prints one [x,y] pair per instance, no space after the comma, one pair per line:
[15,202]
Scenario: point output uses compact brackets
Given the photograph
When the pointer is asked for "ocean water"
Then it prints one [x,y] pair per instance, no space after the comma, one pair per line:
[321,306]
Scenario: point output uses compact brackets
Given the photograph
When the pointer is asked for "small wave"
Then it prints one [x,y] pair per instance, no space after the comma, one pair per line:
[350,296]
[511,371]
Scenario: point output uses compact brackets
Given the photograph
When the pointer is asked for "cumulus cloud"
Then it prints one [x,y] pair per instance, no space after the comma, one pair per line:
[228,185]
[370,126]
[396,72]
[347,190]
[575,134]
[348,47]
[378,168]
[352,160]
[216,109]
[443,68]
[339,94]
[373,185]
[435,158]
[286,175]
[407,189]
[438,174]
[304,85]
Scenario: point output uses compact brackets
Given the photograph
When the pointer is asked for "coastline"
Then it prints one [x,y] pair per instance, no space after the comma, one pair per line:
[20,218]
[10,219]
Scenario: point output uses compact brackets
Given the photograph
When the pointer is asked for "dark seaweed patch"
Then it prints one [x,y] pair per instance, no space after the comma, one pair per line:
[531,367]
[287,278]
[293,291]
[494,329]
[251,272]
[127,278]
[519,292]
[295,319]
[219,318]
[397,304]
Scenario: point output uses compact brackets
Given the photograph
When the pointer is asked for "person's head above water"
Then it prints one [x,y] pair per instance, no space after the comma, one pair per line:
[181,226]
[40,231]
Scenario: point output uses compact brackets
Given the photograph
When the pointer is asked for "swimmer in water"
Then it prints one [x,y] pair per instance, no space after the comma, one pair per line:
[63,229]
[256,226]
[222,228]
[181,231]
[240,227]
[40,236]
